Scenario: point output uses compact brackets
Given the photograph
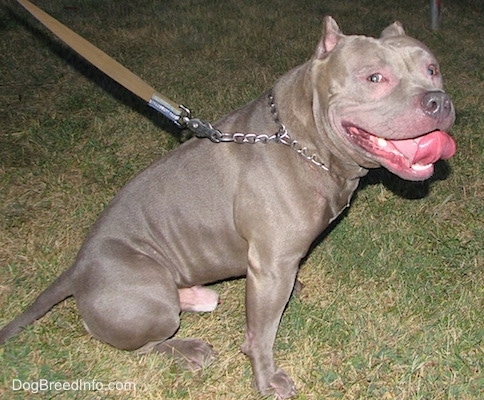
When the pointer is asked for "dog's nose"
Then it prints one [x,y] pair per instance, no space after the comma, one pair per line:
[437,105]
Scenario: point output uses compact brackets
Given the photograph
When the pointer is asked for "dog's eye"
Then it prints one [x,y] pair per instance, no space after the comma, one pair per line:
[376,78]
[432,70]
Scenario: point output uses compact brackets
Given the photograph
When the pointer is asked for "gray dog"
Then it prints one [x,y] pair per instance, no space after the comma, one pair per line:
[208,212]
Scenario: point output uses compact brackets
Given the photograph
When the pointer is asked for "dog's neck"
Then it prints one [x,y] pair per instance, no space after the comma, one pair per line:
[313,145]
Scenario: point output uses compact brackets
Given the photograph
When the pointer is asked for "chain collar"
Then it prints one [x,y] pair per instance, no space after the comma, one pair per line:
[284,138]
[203,129]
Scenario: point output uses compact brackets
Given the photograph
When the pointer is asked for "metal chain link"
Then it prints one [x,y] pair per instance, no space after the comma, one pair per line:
[204,129]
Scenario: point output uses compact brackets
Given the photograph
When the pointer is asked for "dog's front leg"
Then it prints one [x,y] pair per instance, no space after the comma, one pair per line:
[268,289]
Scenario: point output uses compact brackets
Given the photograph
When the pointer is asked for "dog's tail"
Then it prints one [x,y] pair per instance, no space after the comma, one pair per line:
[59,290]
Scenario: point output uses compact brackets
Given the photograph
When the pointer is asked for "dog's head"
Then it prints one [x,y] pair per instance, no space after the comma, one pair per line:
[382,100]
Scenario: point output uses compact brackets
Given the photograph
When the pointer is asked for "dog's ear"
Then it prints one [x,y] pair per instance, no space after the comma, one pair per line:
[395,29]
[331,36]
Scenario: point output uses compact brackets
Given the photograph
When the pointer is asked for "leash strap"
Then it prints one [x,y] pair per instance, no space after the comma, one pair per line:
[178,114]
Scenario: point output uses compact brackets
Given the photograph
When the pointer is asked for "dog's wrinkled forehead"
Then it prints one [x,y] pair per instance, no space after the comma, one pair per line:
[390,49]
[396,57]
[407,45]
[392,38]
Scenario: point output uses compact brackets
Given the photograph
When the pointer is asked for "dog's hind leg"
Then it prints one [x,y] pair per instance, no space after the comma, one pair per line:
[134,304]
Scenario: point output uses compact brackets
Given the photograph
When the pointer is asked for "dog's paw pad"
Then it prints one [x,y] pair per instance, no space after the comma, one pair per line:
[198,299]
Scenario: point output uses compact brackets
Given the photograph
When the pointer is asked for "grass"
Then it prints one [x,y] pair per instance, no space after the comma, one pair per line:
[392,304]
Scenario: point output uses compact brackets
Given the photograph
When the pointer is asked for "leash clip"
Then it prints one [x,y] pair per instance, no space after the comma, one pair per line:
[203,129]
[179,116]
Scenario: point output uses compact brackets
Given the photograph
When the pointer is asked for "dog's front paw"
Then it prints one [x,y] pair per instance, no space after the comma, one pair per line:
[281,385]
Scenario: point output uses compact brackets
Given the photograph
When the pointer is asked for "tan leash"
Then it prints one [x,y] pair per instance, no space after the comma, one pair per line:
[179,114]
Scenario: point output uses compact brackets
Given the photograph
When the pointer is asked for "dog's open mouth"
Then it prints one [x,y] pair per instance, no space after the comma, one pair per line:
[409,158]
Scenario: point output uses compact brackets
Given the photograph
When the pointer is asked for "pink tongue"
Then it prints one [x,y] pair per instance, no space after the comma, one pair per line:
[426,149]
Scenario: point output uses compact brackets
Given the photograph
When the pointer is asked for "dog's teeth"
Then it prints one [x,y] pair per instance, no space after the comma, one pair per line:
[381,142]
[420,167]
